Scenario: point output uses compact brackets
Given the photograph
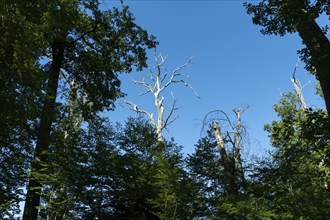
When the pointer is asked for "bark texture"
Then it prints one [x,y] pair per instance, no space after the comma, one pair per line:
[47,117]
[237,146]
[226,162]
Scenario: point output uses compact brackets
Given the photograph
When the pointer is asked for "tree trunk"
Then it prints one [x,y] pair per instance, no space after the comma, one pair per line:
[159,129]
[226,162]
[300,96]
[319,46]
[237,146]
[47,117]
[160,113]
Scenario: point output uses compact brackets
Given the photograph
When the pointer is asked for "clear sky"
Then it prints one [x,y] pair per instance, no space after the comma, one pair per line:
[234,64]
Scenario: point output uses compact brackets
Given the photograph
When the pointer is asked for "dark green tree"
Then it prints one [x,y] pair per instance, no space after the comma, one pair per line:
[80,173]
[290,16]
[170,183]
[297,179]
[75,42]
[154,183]
[138,147]
[21,82]
[39,42]
[207,176]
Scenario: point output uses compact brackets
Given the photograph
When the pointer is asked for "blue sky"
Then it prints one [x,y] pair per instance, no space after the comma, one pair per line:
[234,64]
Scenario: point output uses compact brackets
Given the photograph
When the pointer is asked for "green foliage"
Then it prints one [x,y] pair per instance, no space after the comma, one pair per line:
[80,172]
[318,89]
[211,200]
[118,172]
[300,169]
[207,173]
[19,77]
[98,45]
[296,180]
[290,16]
[93,60]
[281,17]
[94,169]
[170,184]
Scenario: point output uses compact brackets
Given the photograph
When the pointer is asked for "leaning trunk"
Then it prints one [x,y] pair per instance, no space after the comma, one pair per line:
[47,117]
[226,162]
[319,46]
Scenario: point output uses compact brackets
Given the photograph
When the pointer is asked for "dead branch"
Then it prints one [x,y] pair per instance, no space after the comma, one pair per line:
[159,81]
[298,89]
[137,110]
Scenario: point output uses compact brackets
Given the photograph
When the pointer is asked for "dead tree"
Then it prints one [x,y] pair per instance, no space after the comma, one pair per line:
[228,138]
[226,161]
[237,143]
[157,83]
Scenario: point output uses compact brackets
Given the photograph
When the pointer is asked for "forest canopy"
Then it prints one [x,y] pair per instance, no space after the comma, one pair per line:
[62,157]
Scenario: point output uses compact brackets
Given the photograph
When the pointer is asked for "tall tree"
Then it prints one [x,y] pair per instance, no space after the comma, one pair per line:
[169,177]
[289,16]
[21,82]
[75,41]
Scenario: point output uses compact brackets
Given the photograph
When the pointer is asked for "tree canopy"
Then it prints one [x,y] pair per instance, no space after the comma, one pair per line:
[64,158]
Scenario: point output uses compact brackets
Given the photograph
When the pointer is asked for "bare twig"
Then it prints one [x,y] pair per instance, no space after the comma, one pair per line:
[137,110]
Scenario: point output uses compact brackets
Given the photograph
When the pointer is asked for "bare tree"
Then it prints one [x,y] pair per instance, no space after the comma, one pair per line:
[228,137]
[157,83]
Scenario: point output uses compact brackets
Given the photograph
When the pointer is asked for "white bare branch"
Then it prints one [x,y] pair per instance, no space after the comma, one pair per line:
[188,85]
[144,93]
[164,76]
[135,108]
[175,74]
[159,81]
[146,85]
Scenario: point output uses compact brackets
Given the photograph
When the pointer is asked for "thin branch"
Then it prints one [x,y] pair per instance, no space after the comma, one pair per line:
[66,78]
[144,93]
[173,108]
[174,74]
[137,110]
[163,60]
[294,71]
[146,85]
[303,86]
[230,139]
[164,76]
[86,33]
[188,85]
[210,118]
